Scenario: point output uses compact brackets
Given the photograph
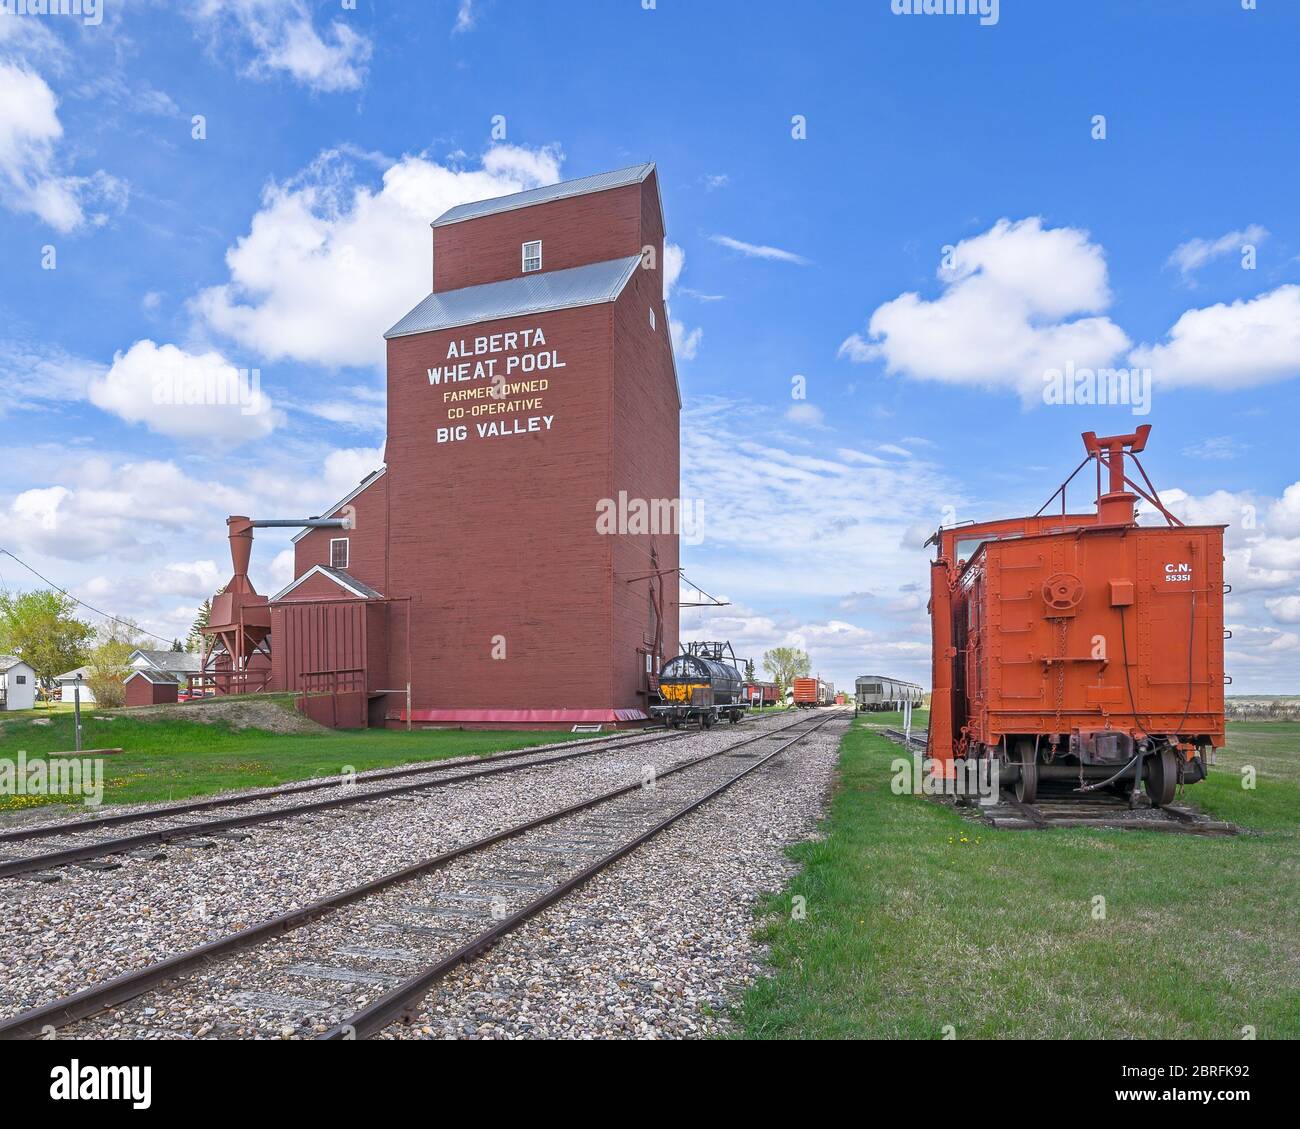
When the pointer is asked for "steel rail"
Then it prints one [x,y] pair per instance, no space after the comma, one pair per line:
[75,826]
[58,1013]
[67,855]
[396,1003]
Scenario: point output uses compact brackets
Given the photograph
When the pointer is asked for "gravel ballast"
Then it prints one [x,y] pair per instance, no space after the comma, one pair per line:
[655,946]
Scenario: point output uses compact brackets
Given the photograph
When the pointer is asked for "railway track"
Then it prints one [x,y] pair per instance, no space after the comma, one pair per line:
[349,965]
[1058,805]
[75,841]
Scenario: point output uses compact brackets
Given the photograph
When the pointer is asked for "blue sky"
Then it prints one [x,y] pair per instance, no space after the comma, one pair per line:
[295,232]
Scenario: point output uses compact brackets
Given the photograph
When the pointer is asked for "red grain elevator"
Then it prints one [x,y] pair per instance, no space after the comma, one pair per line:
[533,402]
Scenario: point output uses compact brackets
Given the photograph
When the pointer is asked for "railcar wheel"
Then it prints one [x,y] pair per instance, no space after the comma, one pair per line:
[1162,777]
[706,721]
[1027,781]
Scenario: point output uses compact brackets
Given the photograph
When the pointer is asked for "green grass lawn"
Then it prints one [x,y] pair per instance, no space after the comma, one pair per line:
[173,758]
[51,710]
[917,919]
[893,719]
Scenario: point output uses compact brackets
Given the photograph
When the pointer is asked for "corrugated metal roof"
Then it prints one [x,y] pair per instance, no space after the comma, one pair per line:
[517,297]
[187,662]
[600,182]
[158,677]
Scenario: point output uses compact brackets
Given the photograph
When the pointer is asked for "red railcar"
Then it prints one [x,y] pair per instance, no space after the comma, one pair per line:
[1081,647]
[805,692]
[810,692]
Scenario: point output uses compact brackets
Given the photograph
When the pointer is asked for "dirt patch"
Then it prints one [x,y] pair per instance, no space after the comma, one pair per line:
[271,714]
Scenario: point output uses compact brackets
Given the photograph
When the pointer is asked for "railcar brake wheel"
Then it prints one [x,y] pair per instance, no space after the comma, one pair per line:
[1027,781]
[1162,777]
[1062,591]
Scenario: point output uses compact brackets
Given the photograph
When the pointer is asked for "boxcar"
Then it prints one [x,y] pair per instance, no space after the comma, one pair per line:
[806,692]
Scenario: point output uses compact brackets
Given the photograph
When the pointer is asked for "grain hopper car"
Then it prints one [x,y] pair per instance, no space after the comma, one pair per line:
[876,692]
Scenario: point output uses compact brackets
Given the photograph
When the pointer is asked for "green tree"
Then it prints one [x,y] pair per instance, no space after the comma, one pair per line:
[195,640]
[110,661]
[749,670]
[785,664]
[40,628]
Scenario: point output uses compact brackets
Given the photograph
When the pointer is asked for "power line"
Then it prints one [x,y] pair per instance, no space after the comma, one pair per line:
[90,607]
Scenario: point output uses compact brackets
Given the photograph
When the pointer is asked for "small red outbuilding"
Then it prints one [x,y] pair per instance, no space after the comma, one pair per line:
[150,688]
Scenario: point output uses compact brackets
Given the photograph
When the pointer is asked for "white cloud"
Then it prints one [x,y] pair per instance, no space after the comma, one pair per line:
[283,39]
[328,264]
[107,509]
[282,567]
[1001,321]
[686,343]
[346,467]
[1285,609]
[1280,553]
[185,395]
[358,406]
[29,132]
[759,251]
[1284,514]
[767,507]
[674,263]
[1189,257]
[1230,346]
[1215,447]
[198,579]
[805,413]
[42,375]
[465,17]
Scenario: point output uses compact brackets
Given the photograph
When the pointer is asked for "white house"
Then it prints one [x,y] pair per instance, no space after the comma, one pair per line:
[67,683]
[17,684]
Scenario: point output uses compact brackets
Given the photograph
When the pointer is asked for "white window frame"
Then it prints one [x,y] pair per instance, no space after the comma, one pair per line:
[346,552]
[525,256]
[652,319]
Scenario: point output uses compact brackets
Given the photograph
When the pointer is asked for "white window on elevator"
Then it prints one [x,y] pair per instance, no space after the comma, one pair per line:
[338,552]
[532,255]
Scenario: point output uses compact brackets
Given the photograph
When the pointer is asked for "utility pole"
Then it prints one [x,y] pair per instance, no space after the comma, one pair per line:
[76,713]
